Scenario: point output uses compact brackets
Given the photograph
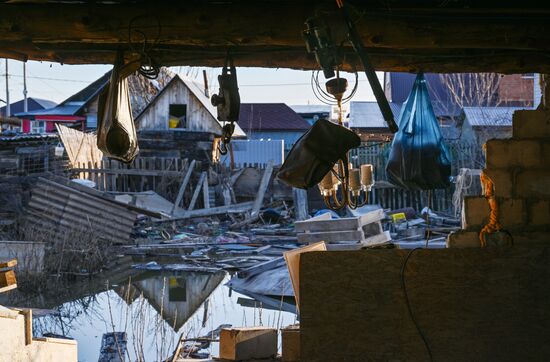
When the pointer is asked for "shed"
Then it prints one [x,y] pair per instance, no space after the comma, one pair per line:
[182,105]
[488,122]
[366,119]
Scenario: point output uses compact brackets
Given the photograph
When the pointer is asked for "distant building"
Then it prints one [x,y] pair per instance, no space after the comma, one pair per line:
[366,120]
[33,104]
[79,110]
[312,112]
[275,121]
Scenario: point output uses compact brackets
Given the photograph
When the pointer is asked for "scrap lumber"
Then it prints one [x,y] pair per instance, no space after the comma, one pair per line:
[365,229]
[245,343]
[264,183]
[7,275]
[205,192]
[197,191]
[300,203]
[229,209]
[183,186]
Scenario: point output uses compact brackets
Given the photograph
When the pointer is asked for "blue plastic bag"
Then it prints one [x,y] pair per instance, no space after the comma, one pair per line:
[418,158]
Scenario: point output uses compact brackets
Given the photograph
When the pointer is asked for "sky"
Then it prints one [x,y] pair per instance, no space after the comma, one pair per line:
[57,82]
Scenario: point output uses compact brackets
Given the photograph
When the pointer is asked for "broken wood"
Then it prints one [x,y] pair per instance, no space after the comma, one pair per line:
[197,191]
[237,344]
[205,192]
[264,183]
[236,208]
[300,203]
[183,186]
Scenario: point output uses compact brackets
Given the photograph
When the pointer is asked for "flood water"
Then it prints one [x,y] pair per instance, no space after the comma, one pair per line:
[155,309]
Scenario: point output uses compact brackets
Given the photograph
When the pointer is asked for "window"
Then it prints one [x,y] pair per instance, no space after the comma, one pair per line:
[38,127]
[178,116]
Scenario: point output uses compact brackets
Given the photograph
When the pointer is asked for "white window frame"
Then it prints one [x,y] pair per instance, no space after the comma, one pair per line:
[38,127]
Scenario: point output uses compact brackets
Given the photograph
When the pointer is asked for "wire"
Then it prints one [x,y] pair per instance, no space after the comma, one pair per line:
[407,301]
[148,68]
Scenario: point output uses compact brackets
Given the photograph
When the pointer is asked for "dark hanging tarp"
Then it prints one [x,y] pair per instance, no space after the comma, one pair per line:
[418,158]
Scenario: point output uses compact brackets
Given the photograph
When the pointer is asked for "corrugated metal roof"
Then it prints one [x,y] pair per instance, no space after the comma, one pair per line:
[368,115]
[58,210]
[28,137]
[490,116]
[32,105]
[311,108]
[270,117]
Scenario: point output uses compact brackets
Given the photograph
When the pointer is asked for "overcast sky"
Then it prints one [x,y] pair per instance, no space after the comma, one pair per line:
[57,82]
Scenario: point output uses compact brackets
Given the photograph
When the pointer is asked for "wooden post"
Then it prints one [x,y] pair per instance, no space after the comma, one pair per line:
[205,192]
[183,186]
[196,192]
[300,203]
[262,189]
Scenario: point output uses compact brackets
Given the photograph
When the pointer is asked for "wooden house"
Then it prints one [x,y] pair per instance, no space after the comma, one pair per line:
[182,105]
[79,110]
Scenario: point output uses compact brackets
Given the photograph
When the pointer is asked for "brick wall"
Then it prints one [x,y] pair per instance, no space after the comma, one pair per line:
[516,90]
[520,170]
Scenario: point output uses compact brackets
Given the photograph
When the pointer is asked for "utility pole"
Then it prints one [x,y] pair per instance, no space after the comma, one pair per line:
[8,110]
[25,104]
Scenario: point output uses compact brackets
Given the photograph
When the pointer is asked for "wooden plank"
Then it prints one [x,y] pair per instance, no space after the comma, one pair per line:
[8,264]
[197,191]
[264,183]
[205,192]
[247,343]
[7,278]
[229,209]
[126,171]
[488,304]
[183,186]
[300,203]
[331,236]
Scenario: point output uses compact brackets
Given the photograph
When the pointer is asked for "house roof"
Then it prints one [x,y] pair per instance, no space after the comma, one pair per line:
[32,104]
[490,116]
[72,105]
[270,117]
[368,115]
[198,92]
[442,101]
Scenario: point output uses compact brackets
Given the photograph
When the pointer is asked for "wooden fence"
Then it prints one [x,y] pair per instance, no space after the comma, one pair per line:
[463,155]
[162,175]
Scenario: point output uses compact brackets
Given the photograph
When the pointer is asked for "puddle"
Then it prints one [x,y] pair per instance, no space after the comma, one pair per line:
[154,309]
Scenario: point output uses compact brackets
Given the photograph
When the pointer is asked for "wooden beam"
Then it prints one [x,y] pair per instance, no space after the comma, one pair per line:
[496,37]
[264,183]
[205,192]
[183,186]
[197,191]
[229,209]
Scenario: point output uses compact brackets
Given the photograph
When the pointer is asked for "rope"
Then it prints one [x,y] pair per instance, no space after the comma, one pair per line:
[494,224]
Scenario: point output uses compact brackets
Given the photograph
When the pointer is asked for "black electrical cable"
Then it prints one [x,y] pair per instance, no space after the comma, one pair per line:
[407,301]
[148,68]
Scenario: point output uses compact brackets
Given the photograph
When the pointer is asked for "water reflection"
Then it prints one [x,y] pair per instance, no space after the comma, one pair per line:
[155,310]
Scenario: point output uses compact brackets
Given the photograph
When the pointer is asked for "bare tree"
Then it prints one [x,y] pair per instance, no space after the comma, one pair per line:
[473,89]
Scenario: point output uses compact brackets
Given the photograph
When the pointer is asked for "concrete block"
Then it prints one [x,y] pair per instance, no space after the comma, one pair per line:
[502,180]
[539,213]
[513,153]
[531,124]
[512,213]
[237,344]
[533,184]
[475,212]
[463,239]
[290,338]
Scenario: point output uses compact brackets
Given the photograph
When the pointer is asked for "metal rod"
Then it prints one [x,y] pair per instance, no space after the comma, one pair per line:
[8,109]
[359,48]
[25,103]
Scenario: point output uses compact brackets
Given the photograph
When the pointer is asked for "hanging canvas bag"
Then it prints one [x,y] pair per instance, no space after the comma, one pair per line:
[418,158]
[116,132]
[315,154]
